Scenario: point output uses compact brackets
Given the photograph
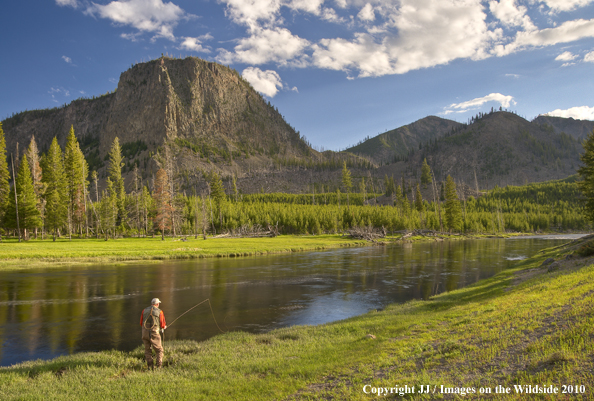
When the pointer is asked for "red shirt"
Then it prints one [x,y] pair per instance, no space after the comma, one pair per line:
[161,319]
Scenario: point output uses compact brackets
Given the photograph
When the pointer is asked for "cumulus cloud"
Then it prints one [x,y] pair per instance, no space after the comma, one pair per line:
[266,82]
[566,5]
[309,6]
[145,15]
[277,45]
[589,58]
[569,31]
[420,34]
[510,14]
[67,59]
[504,101]
[579,113]
[195,44]
[565,56]
[366,13]
[250,12]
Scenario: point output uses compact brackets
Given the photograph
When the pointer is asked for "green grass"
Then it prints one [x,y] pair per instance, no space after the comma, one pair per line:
[524,326]
[36,253]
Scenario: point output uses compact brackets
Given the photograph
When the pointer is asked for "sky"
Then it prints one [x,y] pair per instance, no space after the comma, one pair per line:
[337,70]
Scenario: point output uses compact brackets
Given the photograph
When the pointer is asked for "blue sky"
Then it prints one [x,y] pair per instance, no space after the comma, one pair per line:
[338,70]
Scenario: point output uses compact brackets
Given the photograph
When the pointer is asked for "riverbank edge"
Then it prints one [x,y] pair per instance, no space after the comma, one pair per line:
[88,250]
[170,249]
[531,324]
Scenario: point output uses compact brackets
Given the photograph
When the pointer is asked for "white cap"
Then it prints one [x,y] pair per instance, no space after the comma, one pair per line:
[155,301]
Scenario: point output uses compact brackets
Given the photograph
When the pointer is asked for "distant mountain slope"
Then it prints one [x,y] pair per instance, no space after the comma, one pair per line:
[397,143]
[579,129]
[500,148]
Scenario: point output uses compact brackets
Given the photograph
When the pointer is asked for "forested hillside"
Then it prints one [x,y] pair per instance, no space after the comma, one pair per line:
[579,129]
[51,196]
[499,148]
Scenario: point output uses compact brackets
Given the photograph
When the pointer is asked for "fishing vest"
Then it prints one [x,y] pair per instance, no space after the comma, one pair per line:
[151,318]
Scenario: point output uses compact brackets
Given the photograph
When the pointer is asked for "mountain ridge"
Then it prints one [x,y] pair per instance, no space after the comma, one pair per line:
[210,119]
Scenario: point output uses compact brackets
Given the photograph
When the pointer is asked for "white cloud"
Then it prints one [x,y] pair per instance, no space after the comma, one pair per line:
[144,15]
[565,56]
[309,6]
[566,5]
[569,31]
[277,45]
[420,34]
[195,44]
[510,14]
[67,59]
[396,36]
[504,101]
[366,13]
[71,3]
[249,12]
[589,58]
[579,113]
[266,82]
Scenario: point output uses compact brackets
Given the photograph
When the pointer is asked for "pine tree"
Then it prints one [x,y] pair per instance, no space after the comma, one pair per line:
[586,171]
[347,183]
[76,171]
[453,211]
[108,209]
[235,191]
[4,176]
[425,173]
[36,174]
[115,174]
[28,215]
[56,193]
[363,189]
[419,205]
[217,192]
[162,199]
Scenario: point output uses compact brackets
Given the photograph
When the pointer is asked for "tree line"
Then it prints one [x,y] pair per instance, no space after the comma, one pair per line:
[56,195]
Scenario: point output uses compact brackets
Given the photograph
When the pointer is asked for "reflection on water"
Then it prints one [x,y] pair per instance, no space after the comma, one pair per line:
[46,312]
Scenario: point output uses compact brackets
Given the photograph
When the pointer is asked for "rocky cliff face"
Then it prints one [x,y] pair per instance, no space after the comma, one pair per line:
[205,112]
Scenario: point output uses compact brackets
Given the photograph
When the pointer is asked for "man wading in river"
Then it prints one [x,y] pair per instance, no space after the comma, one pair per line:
[152,319]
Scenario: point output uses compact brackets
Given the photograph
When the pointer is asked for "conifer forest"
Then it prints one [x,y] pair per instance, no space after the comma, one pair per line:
[55,195]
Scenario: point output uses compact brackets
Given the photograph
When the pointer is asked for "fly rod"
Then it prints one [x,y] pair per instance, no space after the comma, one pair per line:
[195,306]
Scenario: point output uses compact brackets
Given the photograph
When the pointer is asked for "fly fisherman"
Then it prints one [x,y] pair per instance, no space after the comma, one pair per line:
[152,319]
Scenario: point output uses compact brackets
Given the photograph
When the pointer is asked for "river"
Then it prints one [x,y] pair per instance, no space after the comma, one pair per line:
[49,312]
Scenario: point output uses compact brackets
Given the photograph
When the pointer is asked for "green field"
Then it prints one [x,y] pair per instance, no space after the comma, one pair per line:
[35,253]
[529,325]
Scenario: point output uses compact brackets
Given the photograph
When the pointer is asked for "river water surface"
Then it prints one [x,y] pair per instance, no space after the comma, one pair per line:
[49,312]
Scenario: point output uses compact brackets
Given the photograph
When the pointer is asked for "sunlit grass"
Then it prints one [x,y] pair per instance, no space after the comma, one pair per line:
[46,252]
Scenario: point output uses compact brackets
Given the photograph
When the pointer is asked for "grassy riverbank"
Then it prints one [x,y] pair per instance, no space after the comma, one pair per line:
[529,325]
[37,253]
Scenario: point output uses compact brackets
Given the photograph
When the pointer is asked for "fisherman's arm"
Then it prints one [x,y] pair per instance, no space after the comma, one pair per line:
[141,316]
[162,322]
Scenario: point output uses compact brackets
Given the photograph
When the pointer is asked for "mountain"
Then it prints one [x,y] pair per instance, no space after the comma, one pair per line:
[578,129]
[206,114]
[397,143]
[203,117]
[499,148]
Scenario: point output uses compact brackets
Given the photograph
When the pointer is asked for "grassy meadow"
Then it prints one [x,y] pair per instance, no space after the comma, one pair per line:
[529,325]
[36,253]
